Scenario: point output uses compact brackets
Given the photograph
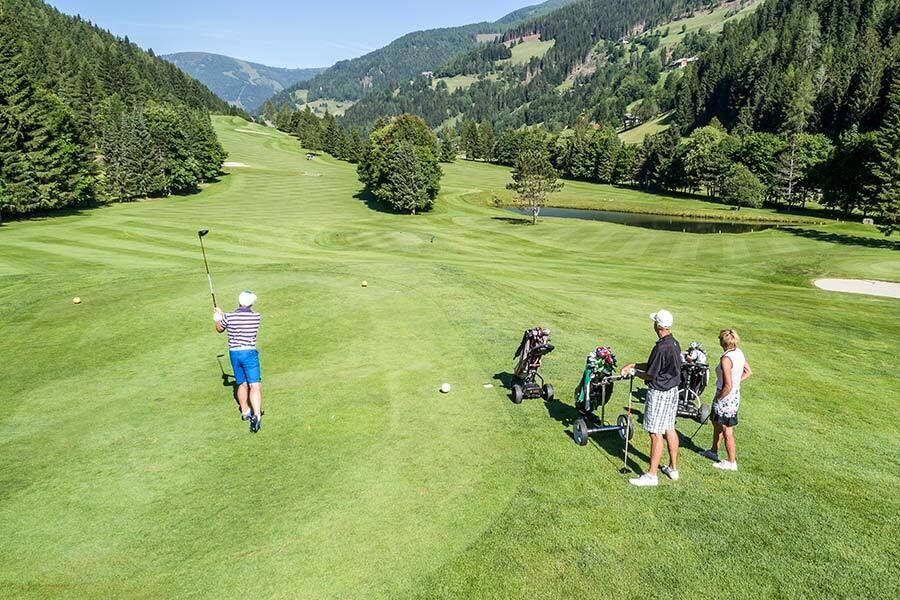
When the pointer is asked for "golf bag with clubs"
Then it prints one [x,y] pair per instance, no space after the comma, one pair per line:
[534,346]
[593,393]
[694,379]
[595,389]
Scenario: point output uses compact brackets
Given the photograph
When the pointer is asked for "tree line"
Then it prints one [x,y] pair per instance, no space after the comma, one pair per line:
[87,117]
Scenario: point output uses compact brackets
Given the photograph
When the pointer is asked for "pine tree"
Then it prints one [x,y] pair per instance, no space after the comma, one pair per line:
[470,141]
[405,185]
[268,112]
[43,160]
[283,119]
[448,145]
[486,141]
[887,168]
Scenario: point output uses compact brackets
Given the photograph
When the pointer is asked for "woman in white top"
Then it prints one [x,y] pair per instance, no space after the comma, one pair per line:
[732,369]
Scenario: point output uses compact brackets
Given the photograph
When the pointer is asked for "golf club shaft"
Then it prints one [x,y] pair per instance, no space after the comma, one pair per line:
[702,423]
[628,423]
[212,292]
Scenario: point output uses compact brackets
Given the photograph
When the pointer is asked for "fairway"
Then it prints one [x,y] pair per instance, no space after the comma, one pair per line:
[126,470]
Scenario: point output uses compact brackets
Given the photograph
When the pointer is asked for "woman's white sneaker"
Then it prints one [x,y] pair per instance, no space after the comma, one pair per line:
[670,473]
[645,480]
[726,466]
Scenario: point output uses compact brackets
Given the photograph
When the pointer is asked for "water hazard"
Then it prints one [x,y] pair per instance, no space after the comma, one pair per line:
[667,223]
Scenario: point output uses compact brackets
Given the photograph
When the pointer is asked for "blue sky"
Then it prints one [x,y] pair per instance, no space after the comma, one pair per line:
[280,33]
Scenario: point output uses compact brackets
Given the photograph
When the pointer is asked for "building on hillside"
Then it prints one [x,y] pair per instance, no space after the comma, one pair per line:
[428,74]
[630,120]
[680,63]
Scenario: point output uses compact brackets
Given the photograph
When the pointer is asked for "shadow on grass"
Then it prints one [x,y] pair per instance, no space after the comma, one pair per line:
[512,220]
[505,380]
[844,239]
[373,203]
[229,381]
[686,443]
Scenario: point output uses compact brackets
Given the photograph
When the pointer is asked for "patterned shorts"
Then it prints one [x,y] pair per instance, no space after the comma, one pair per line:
[728,406]
[660,409]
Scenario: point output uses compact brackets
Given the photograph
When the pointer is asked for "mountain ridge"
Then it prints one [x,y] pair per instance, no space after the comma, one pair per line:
[239,82]
[407,57]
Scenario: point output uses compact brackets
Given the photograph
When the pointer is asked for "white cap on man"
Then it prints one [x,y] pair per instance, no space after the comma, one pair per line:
[663,318]
[247,299]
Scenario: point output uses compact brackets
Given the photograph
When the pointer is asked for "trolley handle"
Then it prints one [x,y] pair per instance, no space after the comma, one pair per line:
[613,378]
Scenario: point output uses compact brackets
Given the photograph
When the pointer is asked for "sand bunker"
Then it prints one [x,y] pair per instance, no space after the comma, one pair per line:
[234,165]
[251,131]
[869,287]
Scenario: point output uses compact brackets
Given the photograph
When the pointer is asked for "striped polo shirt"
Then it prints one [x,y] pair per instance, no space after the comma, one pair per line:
[242,326]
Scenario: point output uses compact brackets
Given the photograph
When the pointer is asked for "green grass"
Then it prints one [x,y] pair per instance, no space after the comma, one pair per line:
[525,51]
[636,135]
[126,472]
[462,81]
[335,107]
[713,21]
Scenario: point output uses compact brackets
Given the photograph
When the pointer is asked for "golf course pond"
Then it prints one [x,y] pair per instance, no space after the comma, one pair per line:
[663,222]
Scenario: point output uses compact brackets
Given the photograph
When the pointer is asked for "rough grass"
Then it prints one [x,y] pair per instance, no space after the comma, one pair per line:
[126,472]
[636,135]
[462,81]
[525,51]
[713,21]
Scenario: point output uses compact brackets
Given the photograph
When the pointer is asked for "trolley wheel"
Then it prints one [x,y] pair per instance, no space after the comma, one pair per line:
[626,427]
[704,412]
[548,392]
[517,393]
[580,432]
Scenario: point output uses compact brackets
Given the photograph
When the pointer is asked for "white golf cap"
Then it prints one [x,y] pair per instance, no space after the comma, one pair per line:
[663,318]
[247,298]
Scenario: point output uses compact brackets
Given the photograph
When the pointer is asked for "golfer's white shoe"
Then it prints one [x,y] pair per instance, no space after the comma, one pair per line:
[713,456]
[645,480]
[725,465]
[670,473]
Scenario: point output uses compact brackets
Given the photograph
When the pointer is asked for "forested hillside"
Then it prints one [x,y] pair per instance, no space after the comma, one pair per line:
[589,59]
[86,116]
[239,82]
[797,103]
[405,58]
[827,62]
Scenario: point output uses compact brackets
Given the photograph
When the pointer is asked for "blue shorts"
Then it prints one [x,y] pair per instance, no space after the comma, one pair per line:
[246,366]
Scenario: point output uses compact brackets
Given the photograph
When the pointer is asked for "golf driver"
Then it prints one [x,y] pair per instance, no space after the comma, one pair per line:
[625,468]
[201,234]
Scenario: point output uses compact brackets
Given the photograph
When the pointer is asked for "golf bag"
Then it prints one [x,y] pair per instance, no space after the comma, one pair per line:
[694,379]
[534,346]
[594,391]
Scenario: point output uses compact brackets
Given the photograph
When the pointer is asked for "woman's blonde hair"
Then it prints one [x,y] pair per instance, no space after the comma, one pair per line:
[729,338]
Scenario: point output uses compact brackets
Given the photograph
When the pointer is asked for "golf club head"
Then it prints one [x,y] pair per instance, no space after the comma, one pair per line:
[203,232]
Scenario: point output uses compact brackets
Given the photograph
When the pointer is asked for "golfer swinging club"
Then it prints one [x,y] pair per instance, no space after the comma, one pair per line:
[242,326]
[662,372]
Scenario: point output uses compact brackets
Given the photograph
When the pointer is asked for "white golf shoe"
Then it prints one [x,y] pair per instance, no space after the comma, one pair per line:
[645,480]
[670,473]
[724,465]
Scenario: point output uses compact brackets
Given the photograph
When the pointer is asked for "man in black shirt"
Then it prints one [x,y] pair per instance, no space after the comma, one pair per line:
[662,372]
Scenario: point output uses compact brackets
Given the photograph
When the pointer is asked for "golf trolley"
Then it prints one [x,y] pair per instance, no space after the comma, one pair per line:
[593,392]
[694,379]
[535,345]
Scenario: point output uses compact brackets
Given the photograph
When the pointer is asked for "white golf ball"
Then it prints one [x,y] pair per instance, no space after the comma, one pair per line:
[76,300]
[445,389]
[365,284]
